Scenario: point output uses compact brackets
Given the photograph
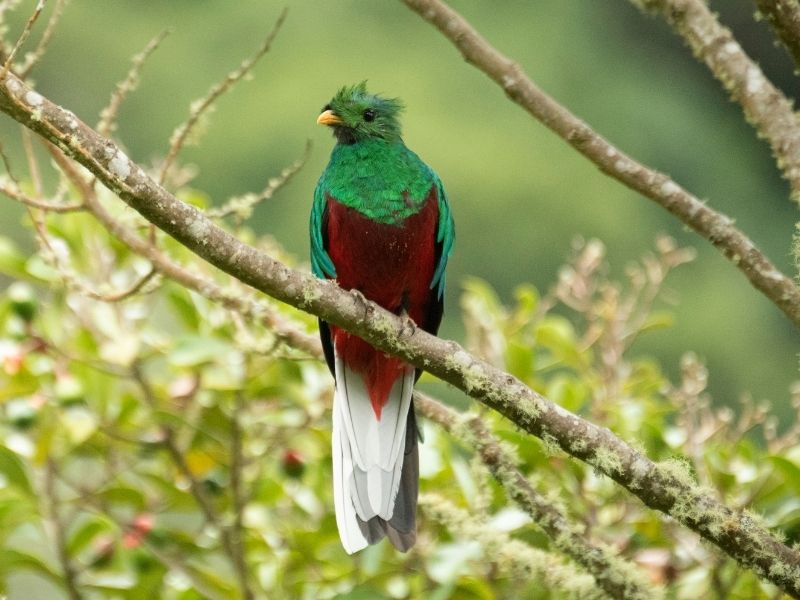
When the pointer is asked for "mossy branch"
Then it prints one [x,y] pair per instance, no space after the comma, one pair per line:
[612,573]
[763,104]
[715,227]
[661,487]
[784,16]
[617,577]
[511,556]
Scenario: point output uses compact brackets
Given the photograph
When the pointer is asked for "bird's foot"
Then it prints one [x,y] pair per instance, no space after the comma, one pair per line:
[362,299]
[409,328]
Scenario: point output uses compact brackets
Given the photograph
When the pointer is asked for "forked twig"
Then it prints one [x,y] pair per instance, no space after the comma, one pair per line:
[199,107]
[22,38]
[108,115]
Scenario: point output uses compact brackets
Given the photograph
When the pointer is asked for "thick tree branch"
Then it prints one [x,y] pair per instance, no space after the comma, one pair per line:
[711,225]
[764,105]
[612,573]
[662,487]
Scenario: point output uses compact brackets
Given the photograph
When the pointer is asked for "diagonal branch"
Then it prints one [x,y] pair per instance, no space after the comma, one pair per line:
[764,105]
[715,227]
[663,487]
[612,573]
[784,16]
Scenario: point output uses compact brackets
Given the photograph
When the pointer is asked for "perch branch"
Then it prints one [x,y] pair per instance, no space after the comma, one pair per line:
[715,227]
[618,578]
[612,573]
[662,487]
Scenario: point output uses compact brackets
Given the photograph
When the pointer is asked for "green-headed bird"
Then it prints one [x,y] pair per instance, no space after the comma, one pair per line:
[380,224]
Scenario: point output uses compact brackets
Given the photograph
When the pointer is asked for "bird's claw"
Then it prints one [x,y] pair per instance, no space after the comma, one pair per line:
[361,299]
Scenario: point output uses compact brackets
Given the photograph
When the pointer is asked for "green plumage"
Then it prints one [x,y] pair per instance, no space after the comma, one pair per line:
[375,174]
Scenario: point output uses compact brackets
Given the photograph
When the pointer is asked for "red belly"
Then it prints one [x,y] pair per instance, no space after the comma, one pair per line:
[391,265]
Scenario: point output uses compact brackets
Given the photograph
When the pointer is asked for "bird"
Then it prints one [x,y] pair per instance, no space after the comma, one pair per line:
[380,226]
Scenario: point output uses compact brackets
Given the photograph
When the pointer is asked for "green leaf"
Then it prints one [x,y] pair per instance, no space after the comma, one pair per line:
[11,560]
[12,468]
[12,260]
[789,471]
[85,534]
[194,350]
[182,303]
[361,592]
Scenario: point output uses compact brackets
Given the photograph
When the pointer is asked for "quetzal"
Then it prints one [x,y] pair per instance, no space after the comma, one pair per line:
[380,224]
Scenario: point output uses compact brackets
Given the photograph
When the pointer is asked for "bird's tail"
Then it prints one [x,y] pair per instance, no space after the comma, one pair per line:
[375,462]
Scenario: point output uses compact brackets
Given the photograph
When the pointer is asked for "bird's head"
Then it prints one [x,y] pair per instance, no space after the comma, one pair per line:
[356,115]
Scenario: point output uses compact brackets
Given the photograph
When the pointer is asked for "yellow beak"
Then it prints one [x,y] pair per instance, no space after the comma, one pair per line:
[328,117]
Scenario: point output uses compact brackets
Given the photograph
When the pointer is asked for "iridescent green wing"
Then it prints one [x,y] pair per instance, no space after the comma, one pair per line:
[445,236]
[321,264]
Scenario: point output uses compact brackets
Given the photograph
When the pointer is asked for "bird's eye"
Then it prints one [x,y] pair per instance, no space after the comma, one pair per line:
[369,115]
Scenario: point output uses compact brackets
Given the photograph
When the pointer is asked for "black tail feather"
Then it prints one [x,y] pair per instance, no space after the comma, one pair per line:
[401,529]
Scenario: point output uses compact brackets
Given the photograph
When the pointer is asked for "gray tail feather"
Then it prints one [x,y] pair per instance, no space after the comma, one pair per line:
[401,529]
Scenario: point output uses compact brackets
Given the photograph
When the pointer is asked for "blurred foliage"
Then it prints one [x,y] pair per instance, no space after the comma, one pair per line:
[519,194]
[144,441]
[149,446]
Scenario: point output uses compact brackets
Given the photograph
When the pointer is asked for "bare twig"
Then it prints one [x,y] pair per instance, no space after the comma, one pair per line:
[13,192]
[237,528]
[667,488]
[108,115]
[715,227]
[23,36]
[34,57]
[244,303]
[242,206]
[199,107]
[784,16]
[51,505]
[764,105]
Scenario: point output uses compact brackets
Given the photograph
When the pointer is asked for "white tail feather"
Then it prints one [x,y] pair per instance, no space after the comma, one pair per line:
[374,448]
[347,524]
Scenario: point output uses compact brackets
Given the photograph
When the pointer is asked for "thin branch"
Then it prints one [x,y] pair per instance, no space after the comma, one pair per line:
[34,57]
[91,503]
[108,115]
[51,504]
[14,193]
[239,502]
[242,206]
[764,105]
[615,575]
[715,227]
[243,303]
[784,16]
[523,561]
[23,37]
[179,460]
[199,107]
[664,487]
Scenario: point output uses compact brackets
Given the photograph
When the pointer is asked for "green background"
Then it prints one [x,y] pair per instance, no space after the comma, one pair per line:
[519,193]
